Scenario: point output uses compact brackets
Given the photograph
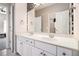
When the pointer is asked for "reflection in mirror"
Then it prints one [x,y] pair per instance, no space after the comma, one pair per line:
[60,22]
[53,18]
[38,24]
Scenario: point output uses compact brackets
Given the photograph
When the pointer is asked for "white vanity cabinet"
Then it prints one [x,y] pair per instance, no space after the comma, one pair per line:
[54,50]
[29,47]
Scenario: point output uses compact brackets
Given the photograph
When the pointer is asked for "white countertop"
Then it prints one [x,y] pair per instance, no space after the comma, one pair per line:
[59,41]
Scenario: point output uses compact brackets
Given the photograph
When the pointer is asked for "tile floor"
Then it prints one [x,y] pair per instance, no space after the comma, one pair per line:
[7,52]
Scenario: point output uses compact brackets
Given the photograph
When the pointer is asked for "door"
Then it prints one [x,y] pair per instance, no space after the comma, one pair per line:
[37,24]
[4,37]
[11,28]
[62,22]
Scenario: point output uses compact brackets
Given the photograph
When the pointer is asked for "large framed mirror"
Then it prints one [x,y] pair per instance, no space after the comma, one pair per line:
[51,18]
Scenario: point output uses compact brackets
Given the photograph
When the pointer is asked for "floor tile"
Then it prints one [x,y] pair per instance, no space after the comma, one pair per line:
[7,52]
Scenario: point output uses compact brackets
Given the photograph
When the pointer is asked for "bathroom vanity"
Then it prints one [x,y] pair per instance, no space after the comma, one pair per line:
[44,46]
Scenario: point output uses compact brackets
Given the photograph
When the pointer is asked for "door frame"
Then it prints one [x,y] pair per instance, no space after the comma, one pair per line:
[11,27]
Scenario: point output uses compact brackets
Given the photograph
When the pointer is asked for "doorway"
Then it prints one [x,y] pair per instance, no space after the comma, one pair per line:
[5,26]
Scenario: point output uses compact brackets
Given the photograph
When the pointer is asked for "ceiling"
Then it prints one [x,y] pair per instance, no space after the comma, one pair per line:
[44,5]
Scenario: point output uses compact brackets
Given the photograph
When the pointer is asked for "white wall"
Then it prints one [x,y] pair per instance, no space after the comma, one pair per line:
[20,18]
[31,17]
[76,21]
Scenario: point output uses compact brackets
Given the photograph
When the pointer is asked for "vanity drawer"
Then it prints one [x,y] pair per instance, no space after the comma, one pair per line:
[45,46]
[63,51]
[29,41]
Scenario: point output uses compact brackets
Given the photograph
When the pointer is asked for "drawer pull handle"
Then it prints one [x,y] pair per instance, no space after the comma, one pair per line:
[64,53]
[41,53]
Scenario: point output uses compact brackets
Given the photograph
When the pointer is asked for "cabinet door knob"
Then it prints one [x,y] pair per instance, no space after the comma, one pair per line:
[44,54]
[64,53]
[31,41]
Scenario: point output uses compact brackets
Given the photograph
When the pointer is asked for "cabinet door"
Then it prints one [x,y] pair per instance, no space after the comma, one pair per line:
[37,52]
[20,44]
[63,51]
[20,47]
[26,49]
